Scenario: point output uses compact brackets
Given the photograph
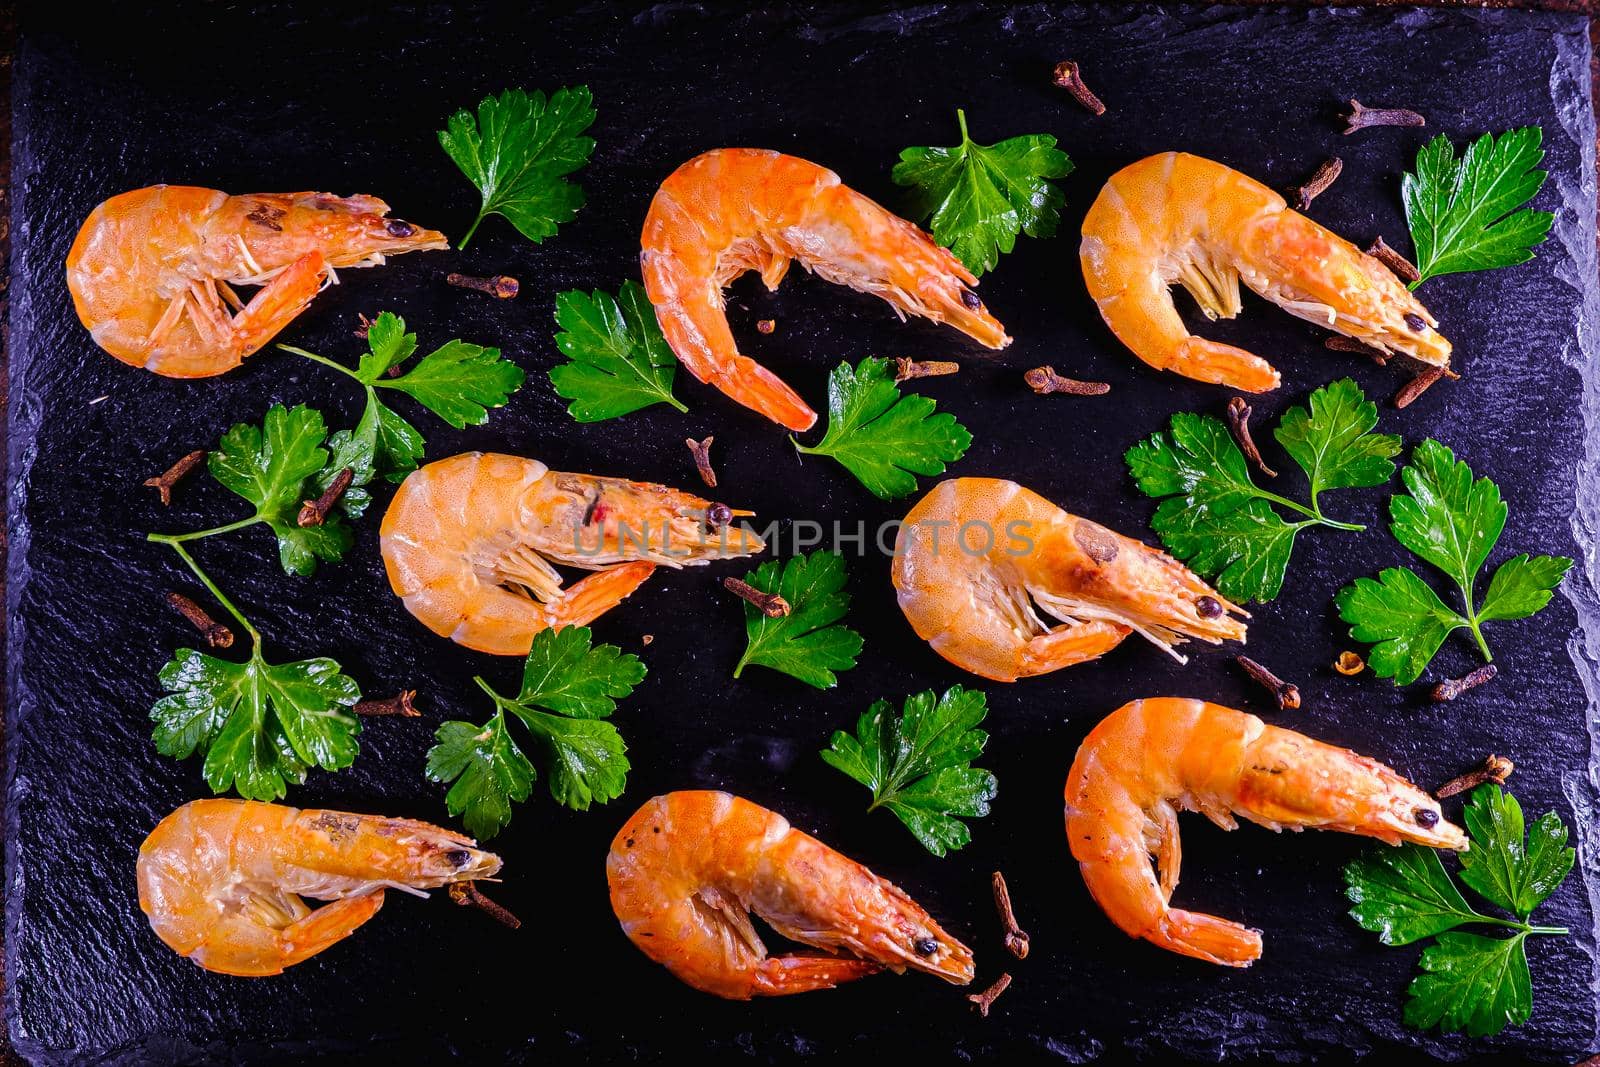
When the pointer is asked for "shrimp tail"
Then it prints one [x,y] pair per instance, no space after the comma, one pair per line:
[779,976]
[759,389]
[248,949]
[1207,937]
[587,600]
[1213,361]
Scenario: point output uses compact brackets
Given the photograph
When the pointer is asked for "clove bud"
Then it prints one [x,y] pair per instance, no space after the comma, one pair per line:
[1451,688]
[1402,267]
[315,512]
[1339,343]
[501,286]
[216,634]
[1070,78]
[1324,176]
[1045,380]
[1016,936]
[1494,769]
[1417,386]
[400,704]
[985,1000]
[1287,694]
[1239,423]
[911,368]
[702,459]
[163,483]
[771,605]
[1360,117]
[466,893]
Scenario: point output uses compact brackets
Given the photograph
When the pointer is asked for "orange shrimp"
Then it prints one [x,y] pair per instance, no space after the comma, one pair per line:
[689,867]
[1150,759]
[467,542]
[739,209]
[976,554]
[151,271]
[221,880]
[1180,218]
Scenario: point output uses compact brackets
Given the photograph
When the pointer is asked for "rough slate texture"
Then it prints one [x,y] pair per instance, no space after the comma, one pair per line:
[285,99]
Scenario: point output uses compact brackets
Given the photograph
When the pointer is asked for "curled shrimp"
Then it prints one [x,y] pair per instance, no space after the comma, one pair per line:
[976,555]
[1180,218]
[688,868]
[152,270]
[467,543]
[738,209]
[1150,759]
[221,880]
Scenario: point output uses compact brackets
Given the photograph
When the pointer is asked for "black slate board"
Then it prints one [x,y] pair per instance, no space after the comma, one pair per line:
[295,96]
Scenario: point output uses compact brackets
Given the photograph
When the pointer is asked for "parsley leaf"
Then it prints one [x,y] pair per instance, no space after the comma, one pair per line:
[1220,522]
[919,764]
[1453,521]
[618,361]
[805,643]
[568,690]
[1468,982]
[883,437]
[272,466]
[979,197]
[458,382]
[258,725]
[1468,215]
[518,152]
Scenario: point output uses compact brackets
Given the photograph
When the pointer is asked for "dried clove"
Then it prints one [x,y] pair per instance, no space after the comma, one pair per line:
[216,634]
[1239,423]
[501,286]
[1494,769]
[1417,386]
[765,325]
[466,893]
[1362,117]
[702,459]
[1349,664]
[771,605]
[1349,344]
[366,324]
[163,483]
[1451,688]
[986,999]
[1070,78]
[1287,694]
[401,704]
[315,512]
[1402,267]
[1324,176]
[912,368]
[1016,936]
[1045,380]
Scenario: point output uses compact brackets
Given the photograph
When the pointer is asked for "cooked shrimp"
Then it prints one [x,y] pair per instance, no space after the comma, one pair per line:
[740,209]
[467,542]
[221,880]
[689,867]
[1179,218]
[976,554]
[1150,759]
[152,270]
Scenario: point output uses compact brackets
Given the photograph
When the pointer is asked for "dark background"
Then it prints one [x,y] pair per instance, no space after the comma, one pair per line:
[275,100]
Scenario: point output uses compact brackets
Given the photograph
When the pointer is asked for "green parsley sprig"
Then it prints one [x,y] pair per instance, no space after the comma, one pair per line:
[276,467]
[617,359]
[457,381]
[806,643]
[1218,520]
[569,690]
[1452,521]
[979,197]
[258,726]
[883,437]
[1469,982]
[518,151]
[919,764]
[1469,215]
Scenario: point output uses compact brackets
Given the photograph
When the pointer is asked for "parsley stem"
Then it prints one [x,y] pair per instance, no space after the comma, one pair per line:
[1314,514]
[462,246]
[1468,598]
[194,535]
[205,580]
[961,119]
[324,360]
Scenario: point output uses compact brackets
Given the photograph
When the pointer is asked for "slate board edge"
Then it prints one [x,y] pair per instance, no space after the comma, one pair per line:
[1576,230]
[1573,230]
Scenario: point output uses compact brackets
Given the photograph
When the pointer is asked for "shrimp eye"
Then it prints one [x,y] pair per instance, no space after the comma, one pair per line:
[458,857]
[1426,817]
[1416,322]
[969,298]
[925,946]
[1207,607]
[397,228]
